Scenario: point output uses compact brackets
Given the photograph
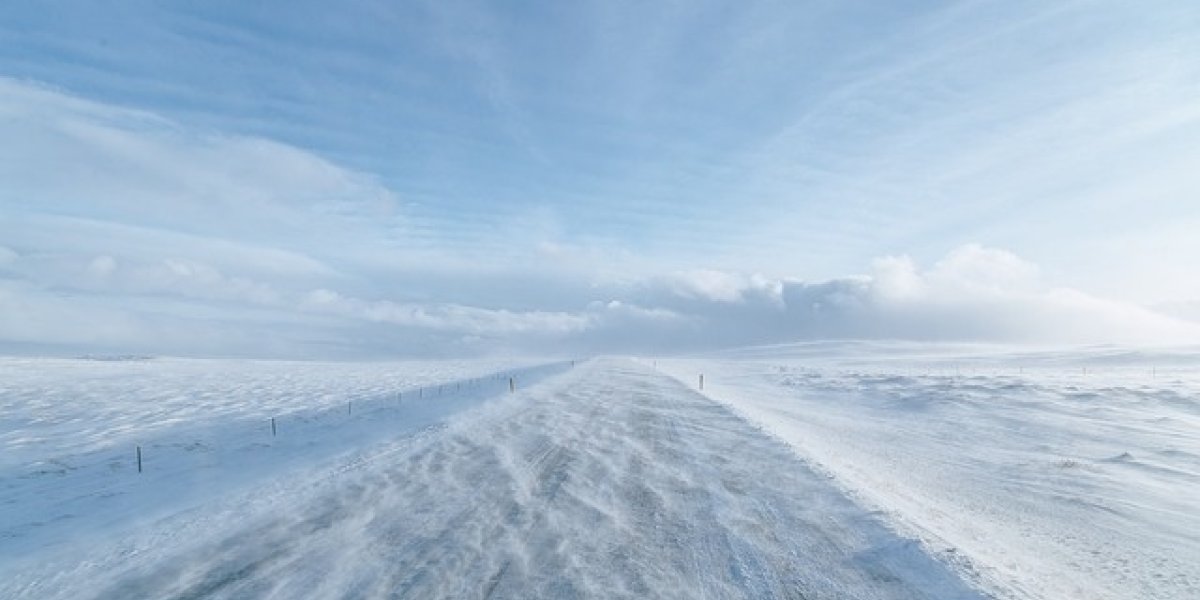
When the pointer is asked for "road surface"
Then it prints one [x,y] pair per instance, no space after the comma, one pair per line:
[611,481]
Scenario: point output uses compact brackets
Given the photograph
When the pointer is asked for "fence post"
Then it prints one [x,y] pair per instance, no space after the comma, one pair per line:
[702,381]
[139,458]
[349,407]
[512,385]
[272,426]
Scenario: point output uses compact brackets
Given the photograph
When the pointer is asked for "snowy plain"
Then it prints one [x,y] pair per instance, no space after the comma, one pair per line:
[847,470]
[597,481]
[70,429]
[1046,473]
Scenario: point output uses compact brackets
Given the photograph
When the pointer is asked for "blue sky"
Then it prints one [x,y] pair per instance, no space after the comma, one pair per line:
[348,178]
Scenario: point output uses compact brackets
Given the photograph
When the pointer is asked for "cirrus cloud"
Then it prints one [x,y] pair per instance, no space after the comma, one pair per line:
[126,232]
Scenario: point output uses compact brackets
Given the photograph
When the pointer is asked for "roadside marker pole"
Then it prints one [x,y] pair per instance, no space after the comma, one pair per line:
[512,385]
[702,381]
[272,426]
[139,458]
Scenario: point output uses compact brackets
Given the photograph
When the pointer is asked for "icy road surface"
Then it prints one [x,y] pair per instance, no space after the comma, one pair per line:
[608,481]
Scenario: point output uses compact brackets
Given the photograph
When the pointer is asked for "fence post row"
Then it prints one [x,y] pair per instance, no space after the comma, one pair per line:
[512,387]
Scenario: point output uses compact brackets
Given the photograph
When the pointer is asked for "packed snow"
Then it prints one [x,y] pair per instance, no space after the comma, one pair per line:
[1051,474]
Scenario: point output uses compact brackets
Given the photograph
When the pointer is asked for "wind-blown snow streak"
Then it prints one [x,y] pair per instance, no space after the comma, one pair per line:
[61,407]
[1056,474]
[68,431]
[609,481]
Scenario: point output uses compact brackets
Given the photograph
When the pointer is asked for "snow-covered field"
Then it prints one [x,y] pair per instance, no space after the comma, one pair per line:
[604,480]
[1052,474]
[814,471]
[69,432]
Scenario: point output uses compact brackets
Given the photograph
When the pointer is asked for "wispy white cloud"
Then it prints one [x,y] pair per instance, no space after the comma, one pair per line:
[456,319]
[1029,125]
[69,156]
[604,176]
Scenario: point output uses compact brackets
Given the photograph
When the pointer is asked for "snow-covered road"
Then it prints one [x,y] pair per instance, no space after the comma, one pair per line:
[608,481]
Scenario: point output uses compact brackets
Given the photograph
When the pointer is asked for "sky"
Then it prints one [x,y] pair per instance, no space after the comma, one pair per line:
[445,178]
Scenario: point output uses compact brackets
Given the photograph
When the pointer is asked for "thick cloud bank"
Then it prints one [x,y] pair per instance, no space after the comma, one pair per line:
[973,294]
[181,307]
